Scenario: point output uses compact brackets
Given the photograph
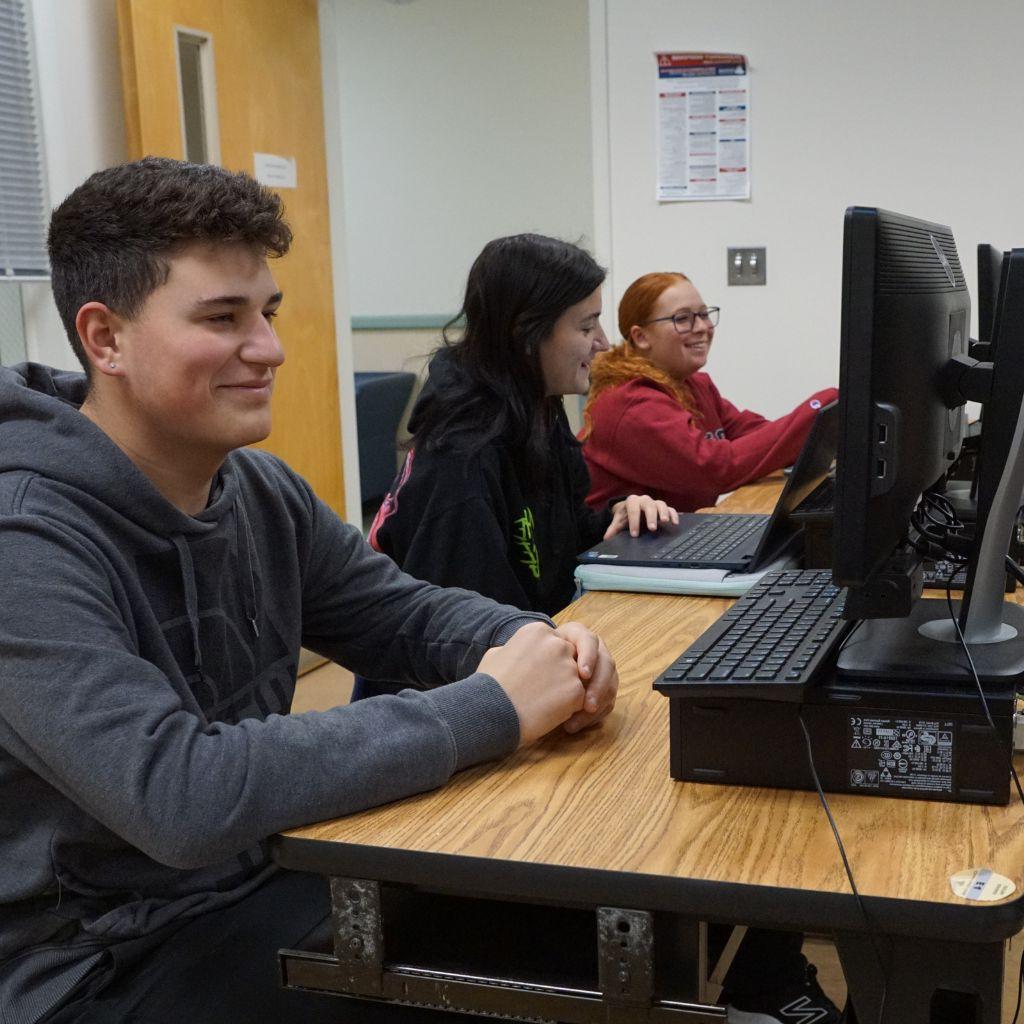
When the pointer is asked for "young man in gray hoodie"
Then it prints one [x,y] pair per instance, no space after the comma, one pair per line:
[157,579]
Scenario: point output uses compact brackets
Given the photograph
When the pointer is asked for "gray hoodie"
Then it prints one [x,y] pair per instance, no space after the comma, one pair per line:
[147,666]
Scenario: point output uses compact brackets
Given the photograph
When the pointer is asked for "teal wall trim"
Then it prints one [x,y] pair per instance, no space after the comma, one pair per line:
[426,321]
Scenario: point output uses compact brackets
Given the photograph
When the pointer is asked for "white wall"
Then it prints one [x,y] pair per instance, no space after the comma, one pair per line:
[907,106]
[463,120]
[83,130]
[329,69]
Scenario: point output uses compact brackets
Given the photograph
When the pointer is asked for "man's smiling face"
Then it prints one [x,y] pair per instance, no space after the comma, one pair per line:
[198,361]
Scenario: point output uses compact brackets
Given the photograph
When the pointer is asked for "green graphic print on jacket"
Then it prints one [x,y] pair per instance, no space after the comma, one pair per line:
[524,539]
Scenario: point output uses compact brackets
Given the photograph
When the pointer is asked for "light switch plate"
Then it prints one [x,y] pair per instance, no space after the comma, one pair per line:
[747,266]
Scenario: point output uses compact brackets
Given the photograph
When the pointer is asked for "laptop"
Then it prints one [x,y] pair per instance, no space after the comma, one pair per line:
[733,542]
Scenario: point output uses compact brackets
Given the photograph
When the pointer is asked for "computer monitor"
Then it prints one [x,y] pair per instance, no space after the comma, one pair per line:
[904,376]
[990,272]
[961,488]
[905,314]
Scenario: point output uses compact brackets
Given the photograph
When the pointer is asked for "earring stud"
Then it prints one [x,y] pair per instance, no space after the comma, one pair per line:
[113,366]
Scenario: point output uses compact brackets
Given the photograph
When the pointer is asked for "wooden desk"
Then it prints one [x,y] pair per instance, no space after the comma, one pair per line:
[595,819]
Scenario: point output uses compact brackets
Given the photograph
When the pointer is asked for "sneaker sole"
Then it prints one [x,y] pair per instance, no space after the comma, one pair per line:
[735,1016]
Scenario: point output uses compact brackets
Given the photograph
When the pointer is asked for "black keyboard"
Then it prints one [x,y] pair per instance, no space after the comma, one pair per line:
[710,540]
[770,644]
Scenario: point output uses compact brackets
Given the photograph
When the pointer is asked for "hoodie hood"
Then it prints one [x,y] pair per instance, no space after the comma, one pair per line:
[622,364]
[442,372]
[43,434]
[42,431]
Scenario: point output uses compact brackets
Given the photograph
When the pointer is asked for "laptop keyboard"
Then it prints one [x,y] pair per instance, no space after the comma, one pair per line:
[769,644]
[711,540]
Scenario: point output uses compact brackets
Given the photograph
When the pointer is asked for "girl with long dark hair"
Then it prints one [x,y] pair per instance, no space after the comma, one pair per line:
[492,494]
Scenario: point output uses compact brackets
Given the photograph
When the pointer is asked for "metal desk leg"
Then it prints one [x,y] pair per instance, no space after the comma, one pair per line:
[358,935]
[625,950]
[925,982]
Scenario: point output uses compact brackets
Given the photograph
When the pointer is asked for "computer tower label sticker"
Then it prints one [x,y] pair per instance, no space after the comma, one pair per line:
[900,755]
[981,884]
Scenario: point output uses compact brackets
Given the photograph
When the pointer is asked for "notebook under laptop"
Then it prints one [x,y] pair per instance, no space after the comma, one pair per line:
[731,541]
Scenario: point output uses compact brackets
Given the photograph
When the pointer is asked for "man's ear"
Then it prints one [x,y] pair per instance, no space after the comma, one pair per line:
[98,327]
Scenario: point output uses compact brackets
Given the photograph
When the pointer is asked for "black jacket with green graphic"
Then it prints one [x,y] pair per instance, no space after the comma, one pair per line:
[471,521]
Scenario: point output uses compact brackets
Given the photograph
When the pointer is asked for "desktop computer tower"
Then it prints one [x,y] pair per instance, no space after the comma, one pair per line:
[873,738]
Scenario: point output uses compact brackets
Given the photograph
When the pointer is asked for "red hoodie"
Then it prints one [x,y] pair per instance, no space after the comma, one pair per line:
[642,439]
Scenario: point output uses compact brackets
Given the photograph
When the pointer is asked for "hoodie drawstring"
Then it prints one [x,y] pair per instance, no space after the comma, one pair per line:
[246,543]
[188,579]
[243,533]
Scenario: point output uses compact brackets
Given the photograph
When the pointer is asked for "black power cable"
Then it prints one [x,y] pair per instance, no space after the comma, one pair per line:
[868,927]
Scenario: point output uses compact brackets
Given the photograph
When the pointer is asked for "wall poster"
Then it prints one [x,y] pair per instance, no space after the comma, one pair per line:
[703,125]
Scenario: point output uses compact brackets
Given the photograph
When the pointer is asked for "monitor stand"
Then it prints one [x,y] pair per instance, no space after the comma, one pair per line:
[926,645]
[908,650]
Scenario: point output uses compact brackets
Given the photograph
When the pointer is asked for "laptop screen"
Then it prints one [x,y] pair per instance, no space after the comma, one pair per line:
[811,467]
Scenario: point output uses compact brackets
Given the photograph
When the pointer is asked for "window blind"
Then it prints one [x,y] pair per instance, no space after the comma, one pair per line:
[23,211]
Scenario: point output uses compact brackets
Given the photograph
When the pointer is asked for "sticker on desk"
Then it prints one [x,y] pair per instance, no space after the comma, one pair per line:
[900,755]
[981,884]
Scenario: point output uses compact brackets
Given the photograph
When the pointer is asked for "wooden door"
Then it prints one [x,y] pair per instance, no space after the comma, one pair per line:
[266,59]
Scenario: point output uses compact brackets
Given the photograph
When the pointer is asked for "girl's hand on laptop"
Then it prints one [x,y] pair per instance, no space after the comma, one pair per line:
[637,510]
[597,672]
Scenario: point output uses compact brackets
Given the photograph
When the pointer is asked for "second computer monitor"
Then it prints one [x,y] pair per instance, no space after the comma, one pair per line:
[990,267]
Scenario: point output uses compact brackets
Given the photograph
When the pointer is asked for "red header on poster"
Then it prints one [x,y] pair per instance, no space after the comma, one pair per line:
[683,65]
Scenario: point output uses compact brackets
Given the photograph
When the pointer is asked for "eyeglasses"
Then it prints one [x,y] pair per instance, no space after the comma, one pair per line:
[683,322]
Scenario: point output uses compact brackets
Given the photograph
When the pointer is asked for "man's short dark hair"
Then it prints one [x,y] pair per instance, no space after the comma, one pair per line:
[111,240]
